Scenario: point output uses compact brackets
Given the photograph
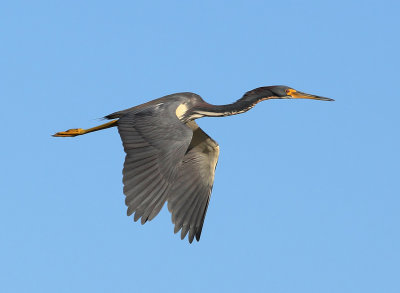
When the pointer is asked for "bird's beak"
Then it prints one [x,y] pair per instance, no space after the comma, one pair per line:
[299,95]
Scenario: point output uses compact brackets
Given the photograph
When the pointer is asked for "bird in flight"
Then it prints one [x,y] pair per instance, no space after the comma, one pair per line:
[170,158]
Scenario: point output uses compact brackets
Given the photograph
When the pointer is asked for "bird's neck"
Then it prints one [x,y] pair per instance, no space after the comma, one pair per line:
[240,106]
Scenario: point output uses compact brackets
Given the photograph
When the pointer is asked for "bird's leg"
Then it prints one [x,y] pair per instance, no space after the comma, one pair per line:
[80,131]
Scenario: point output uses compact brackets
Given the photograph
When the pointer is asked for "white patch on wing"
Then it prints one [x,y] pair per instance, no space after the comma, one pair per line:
[181,110]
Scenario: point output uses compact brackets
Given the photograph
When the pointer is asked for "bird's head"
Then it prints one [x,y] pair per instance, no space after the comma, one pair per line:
[279,92]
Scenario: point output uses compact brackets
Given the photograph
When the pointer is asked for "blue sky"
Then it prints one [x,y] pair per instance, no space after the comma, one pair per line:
[306,196]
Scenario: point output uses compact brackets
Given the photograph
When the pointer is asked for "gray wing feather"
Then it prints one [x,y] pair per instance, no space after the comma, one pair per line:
[155,142]
[190,194]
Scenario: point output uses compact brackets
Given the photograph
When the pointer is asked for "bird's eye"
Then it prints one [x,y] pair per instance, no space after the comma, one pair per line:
[289,92]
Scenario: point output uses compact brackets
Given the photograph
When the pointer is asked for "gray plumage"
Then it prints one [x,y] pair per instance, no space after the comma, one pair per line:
[170,158]
[162,165]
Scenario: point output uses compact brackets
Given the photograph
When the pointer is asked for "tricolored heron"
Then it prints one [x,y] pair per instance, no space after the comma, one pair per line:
[170,158]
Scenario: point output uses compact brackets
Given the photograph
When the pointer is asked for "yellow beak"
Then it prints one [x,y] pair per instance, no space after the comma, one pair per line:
[300,95]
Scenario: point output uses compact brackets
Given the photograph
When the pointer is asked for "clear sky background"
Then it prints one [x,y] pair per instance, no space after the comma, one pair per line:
[306,194]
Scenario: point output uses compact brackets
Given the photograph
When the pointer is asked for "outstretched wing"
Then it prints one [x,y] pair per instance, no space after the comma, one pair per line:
[190,194]
[155,142]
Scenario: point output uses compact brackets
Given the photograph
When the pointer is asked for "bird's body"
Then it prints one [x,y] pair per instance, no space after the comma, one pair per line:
[170,158]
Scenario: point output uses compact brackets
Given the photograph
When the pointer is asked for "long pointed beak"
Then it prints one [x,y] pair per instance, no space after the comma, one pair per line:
[300,95]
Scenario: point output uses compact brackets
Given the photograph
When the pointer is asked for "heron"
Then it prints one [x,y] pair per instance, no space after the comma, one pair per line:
[169,158]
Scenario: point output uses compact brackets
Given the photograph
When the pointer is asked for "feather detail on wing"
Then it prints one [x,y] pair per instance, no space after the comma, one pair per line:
[191,191]
[155,142]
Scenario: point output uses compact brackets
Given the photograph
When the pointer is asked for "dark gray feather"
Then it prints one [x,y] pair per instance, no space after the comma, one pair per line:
[190,194]
[155,142]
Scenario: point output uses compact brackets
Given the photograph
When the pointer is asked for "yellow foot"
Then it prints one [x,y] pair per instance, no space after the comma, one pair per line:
[70,132]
